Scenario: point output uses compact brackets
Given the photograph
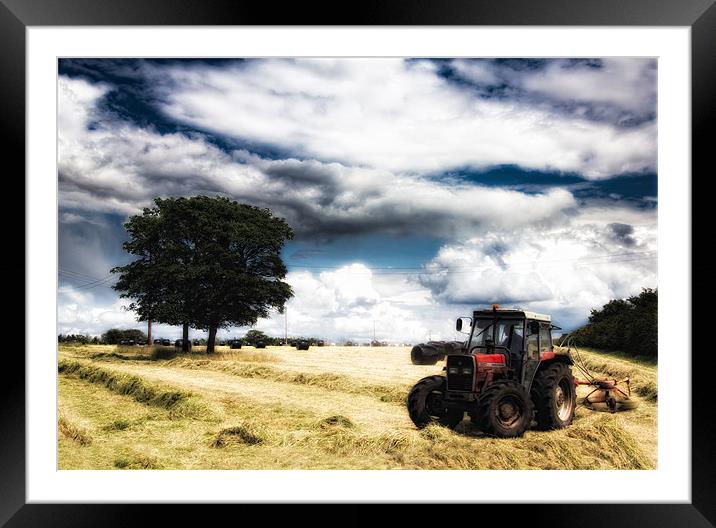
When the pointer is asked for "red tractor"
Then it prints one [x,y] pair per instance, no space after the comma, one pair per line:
[506,376]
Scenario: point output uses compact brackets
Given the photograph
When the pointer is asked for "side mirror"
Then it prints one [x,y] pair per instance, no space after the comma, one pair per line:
[534,327]
[459,325]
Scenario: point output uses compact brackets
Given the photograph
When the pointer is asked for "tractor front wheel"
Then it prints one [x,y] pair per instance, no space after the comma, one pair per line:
[504,409]
[555,397]
[425,404]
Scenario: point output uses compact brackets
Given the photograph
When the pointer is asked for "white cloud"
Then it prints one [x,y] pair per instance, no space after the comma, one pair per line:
[400,116]
[565,271]
[346,303]
[79,312]
[117,166]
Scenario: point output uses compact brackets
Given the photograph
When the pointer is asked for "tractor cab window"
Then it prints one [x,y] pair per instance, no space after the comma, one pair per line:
[545,338]
[482,331]
[532,343]
[508,333]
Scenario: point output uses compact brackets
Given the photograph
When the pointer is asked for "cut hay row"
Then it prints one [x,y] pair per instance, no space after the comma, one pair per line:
[251,434]
[158,352]
[73,432]
[178,403]
[334,382]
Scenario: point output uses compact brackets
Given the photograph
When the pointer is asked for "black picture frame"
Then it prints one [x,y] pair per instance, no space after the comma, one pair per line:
[699,15]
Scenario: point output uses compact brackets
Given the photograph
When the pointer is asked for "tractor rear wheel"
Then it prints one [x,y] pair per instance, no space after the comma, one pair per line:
[555,396]
[425,404]
[504,409]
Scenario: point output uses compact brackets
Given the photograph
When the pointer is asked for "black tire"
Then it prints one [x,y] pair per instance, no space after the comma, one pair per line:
[425,407]
[555,397]
[504,409]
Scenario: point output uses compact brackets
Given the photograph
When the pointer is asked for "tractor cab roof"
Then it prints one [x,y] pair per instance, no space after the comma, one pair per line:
[516,314]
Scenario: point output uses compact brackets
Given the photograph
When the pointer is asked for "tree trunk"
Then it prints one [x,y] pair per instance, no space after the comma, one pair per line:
[212,339]
[185,346]
[149,332]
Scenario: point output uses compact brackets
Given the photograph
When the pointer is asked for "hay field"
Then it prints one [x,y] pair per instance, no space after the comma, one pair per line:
[325,408]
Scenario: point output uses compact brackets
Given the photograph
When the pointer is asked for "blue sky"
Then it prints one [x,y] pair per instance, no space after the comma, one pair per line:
[418,189]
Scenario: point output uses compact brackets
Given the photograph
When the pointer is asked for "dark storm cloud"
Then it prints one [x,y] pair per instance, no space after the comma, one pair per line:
[89,245]
[622,233]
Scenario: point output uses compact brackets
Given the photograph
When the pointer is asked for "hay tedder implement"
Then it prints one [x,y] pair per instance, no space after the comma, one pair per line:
[507,375]
[610,395]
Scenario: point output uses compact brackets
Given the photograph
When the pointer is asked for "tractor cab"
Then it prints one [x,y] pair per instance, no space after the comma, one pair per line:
[513,340]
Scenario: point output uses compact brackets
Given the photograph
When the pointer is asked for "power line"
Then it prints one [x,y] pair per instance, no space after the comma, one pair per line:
[78,274]
[76,277]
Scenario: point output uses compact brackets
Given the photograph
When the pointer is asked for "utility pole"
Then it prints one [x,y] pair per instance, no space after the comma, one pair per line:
[149,332]
[374,330]
[285,328]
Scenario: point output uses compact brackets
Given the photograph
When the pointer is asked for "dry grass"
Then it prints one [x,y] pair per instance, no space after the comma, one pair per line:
[319,409]
[331,382]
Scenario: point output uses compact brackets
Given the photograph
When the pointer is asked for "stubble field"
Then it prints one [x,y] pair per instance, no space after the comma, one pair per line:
[325,408]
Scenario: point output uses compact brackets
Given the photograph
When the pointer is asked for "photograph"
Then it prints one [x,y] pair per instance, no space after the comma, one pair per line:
[357,263]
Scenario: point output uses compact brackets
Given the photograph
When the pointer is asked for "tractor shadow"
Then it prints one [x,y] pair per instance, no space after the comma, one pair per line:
[467,428]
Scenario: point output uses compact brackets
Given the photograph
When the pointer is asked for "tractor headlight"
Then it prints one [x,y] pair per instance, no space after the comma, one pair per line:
[453,370]
[466,371]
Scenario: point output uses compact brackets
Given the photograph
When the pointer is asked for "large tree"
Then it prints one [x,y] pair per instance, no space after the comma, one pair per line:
[208,261]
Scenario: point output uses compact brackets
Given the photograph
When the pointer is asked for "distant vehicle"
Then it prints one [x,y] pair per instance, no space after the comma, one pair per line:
[320,342]
[235,344]
[127,342]
[166,342]
[179,343]
[157,341]
[260,344]
[303,345]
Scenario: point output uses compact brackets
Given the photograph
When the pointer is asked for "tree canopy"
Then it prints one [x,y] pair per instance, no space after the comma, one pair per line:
[208,261]
[626,325]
